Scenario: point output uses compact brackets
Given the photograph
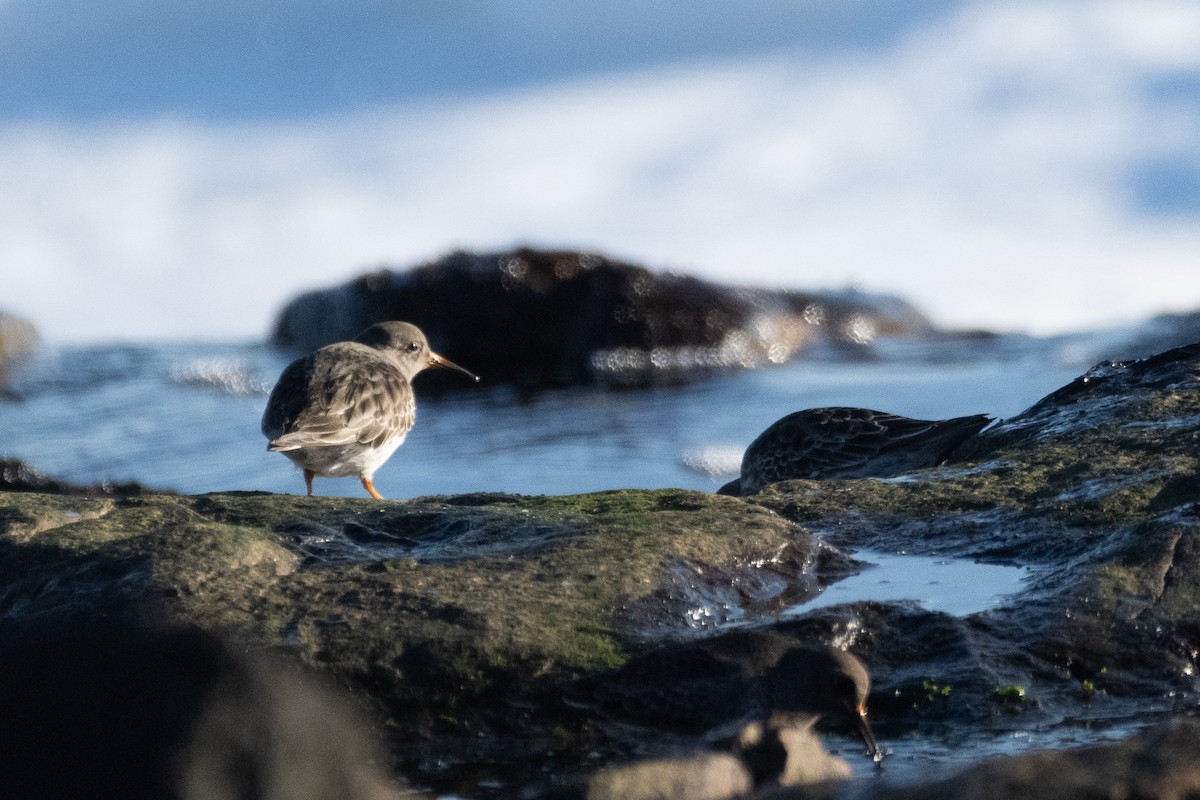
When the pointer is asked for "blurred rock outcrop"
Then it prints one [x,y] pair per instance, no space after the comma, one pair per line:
[546,318]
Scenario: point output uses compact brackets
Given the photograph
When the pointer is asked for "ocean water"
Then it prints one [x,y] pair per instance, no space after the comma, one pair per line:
[185,416]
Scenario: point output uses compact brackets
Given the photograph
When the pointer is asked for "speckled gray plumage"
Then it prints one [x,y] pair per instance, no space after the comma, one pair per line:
[343,393]
[822,443]
[343,410]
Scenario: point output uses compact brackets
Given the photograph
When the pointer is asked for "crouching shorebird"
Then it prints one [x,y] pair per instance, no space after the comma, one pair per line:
[821,443]
[717,684]
[344,409]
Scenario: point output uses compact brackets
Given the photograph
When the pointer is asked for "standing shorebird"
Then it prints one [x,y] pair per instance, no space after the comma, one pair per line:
[822,443]
[344,409]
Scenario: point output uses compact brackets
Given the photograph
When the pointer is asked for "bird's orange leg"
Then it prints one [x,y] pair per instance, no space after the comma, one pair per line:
[370,487]
[308,479]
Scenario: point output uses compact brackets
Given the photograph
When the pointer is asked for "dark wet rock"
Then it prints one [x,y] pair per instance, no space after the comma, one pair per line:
[1112,393]
[1096,490]
[1161,763]
[464,620]
[17,340]
[99,707]
[542,318]
[17,476]
[472,623]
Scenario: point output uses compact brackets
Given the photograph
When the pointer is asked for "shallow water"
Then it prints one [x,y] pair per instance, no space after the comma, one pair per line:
[185,416]
[921,757]
[950,585]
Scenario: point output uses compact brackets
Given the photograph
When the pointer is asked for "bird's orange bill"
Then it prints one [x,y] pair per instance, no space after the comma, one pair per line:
[437,361]
[868,736]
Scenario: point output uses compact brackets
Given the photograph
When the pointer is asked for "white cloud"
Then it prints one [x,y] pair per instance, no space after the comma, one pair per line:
[978,167]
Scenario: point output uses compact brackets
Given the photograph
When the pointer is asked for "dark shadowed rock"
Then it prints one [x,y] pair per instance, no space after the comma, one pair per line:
[95,707]
[544,318]
[17,476]
[464,620]
[1096,491]
[1112,393]
[1161,764]
[471,623]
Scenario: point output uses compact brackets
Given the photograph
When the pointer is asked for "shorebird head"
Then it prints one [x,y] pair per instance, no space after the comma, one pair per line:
[407,345]
[826,681]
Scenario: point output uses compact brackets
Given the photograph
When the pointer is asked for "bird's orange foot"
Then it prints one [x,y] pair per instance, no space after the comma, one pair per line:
[308,479]
[370,487]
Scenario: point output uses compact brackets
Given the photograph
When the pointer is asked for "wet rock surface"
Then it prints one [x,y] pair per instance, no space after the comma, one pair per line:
[17,476]
[1163,762]
[465,618]
[542,318]
[484,630]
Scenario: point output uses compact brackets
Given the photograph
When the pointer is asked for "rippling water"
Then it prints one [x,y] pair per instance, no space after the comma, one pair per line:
[185,416]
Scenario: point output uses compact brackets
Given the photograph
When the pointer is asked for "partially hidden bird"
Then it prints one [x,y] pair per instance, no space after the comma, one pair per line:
[704,684]
[342,410]
[822,443]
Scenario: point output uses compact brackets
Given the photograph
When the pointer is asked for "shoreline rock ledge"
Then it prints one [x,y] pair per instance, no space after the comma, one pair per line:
[491,636]
[539,319]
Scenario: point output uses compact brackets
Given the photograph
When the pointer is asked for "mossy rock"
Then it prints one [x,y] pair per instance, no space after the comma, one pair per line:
[449,611]
[468,620]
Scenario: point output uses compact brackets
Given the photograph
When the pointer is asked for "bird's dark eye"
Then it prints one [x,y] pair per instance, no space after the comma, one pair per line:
[413,347]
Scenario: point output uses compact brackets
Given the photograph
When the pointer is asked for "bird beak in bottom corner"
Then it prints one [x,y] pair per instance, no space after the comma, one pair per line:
[864,730]
[437,361]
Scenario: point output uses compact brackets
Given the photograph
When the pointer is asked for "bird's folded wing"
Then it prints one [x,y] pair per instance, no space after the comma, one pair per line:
[366,409]
[320,431]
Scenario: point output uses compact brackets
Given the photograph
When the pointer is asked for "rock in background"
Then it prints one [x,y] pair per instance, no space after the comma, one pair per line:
[543,318]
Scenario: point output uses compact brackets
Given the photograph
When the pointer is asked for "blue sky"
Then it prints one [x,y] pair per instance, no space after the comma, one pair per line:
[84,59]
[182,169]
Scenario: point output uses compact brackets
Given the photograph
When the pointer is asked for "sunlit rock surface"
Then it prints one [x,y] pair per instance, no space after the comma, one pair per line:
[539,318]
[477,627]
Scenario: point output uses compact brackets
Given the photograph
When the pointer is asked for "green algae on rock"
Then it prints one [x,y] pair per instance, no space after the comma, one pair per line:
[447,610]
[1095,489]
[469,619]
